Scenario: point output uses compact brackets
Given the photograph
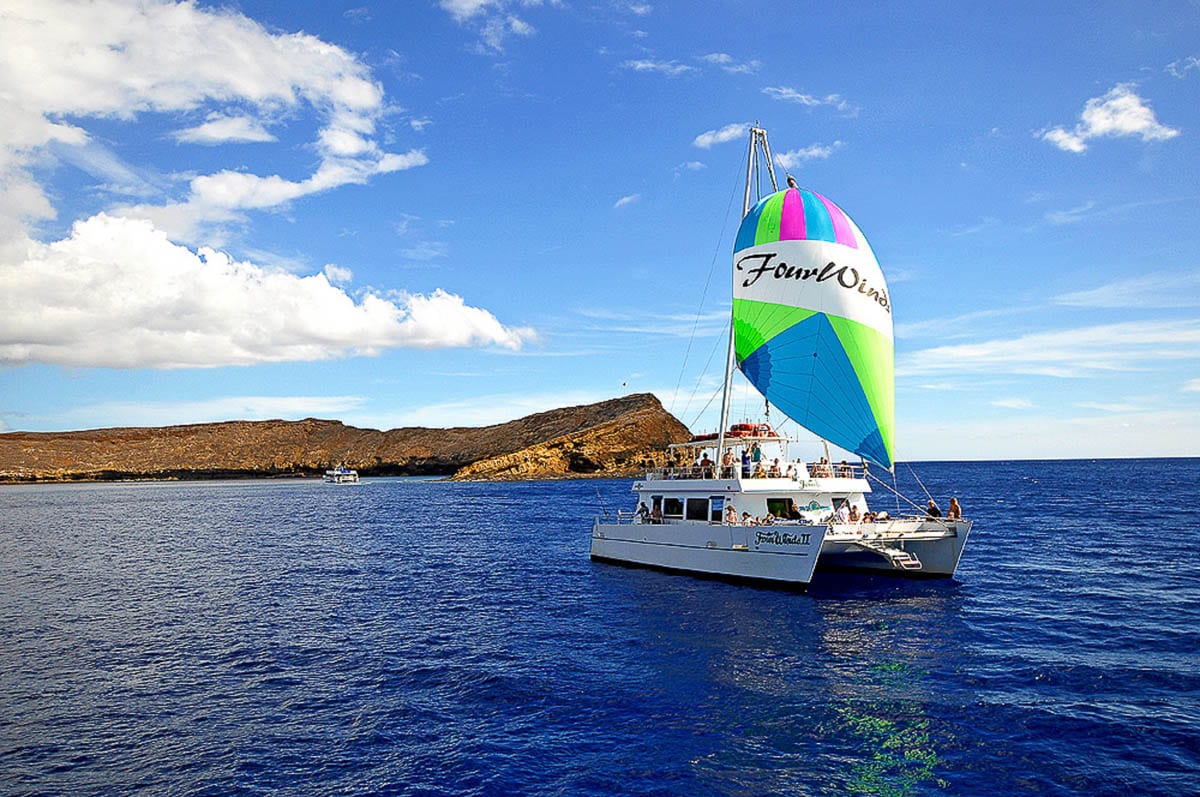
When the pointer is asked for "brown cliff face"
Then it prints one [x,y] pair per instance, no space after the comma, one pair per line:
[611,438]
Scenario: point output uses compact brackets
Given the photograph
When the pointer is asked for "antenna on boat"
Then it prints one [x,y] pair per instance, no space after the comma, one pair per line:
[600,498]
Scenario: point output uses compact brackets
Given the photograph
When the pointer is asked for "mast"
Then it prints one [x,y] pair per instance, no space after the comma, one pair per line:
[758,148]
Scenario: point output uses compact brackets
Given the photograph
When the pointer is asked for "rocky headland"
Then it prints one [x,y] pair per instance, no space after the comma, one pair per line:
[611,438]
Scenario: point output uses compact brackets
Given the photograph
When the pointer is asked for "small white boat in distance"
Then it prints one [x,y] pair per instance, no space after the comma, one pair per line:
[811,330]
[341,475]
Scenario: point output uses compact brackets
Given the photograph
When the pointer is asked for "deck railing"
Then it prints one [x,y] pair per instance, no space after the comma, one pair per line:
[800,471]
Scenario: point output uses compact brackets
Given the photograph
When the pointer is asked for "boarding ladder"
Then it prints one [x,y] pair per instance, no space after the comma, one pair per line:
[901,560]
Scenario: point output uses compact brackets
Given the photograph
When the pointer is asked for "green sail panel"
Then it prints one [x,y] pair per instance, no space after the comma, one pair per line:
[831,375]
[873,357]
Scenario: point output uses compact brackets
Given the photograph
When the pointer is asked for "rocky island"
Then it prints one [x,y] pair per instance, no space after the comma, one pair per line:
[611,438]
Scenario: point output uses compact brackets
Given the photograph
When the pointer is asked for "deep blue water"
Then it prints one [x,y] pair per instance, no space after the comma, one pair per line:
[427,638]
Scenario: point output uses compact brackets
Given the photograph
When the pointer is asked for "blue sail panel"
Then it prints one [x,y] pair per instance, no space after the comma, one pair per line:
[806,373]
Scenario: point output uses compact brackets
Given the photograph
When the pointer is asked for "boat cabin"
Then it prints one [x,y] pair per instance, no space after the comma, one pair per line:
[755,476]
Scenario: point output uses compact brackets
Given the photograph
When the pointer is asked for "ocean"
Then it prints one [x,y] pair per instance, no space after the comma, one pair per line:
[414,637]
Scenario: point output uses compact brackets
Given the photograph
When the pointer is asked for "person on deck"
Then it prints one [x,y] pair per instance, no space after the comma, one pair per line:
[656,515]
[793,510]
[643,513]
[843,514]
[854,517]
[727,464]
[745,464]
[955,511]
[731,516]
[932,510]
[774,472]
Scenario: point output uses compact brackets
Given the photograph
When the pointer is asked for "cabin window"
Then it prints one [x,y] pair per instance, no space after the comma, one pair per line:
[717,502]
[672,507]
[778,507]
[697,509]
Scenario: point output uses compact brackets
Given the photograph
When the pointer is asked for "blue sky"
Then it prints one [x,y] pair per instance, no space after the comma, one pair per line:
[460,212]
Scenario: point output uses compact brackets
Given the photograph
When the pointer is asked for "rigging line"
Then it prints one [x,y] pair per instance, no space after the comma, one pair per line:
[704,295]
[899,496]
[707,405]
[696,387]
[918,478]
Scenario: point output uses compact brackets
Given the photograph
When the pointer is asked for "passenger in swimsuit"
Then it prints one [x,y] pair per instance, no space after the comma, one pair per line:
[955,511]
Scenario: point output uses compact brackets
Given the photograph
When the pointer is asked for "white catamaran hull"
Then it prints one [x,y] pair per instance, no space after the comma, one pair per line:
[781,555]
[929,548]
[694,535]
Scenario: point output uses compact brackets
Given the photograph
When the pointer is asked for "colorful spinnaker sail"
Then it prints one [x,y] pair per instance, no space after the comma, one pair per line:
[813,321]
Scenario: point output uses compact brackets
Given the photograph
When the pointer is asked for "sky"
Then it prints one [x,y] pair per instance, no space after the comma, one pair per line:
[458,213]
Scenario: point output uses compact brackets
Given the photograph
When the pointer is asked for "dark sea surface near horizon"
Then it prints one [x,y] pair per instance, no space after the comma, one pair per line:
[429,638]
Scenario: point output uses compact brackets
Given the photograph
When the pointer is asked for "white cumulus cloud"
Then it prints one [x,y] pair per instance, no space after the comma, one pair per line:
[146,285]
[1120,113]
[493,19]
[220,129]
[118,293]
[795,157]
[729,64]
[668,68]
[788,94]
[730,132]
[111,59]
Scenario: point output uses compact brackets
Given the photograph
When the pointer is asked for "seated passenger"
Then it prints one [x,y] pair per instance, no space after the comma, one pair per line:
[932,510]
[775,472]
[955,511]
[793,510]
[747,520]
[760,472]
[853,516]
[790,473]
[844,470]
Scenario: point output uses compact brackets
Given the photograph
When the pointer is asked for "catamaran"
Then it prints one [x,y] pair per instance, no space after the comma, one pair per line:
[811,330]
